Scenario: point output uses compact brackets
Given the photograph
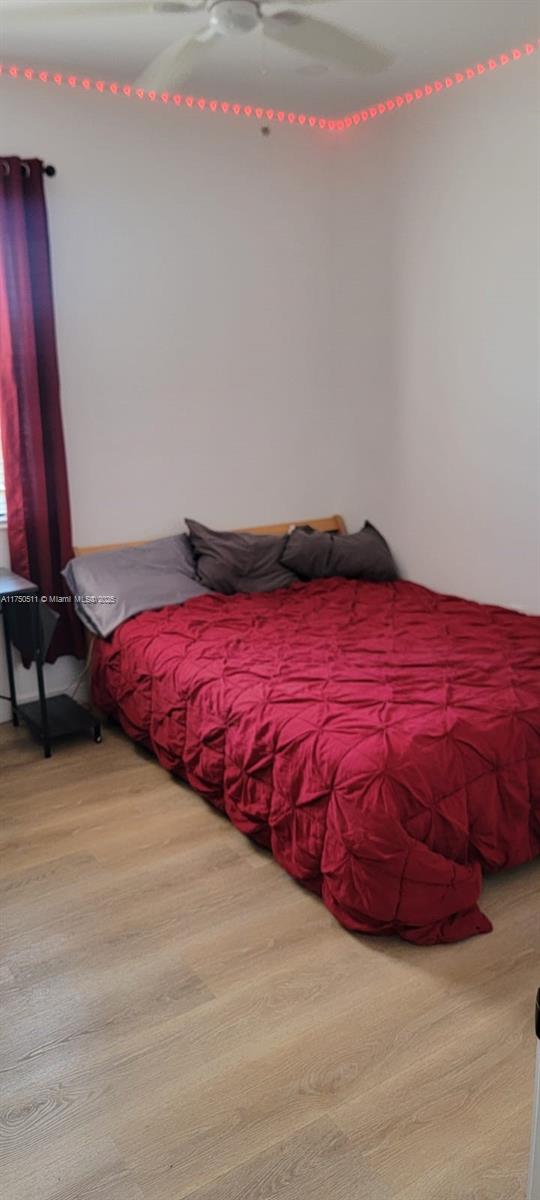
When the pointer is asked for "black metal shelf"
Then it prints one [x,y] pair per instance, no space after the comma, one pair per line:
[47,719]
[64,718]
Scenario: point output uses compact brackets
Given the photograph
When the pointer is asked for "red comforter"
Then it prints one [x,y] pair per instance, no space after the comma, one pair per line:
[381,739]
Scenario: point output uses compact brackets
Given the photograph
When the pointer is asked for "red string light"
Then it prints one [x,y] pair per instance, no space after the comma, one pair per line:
[331,124]
[439,85]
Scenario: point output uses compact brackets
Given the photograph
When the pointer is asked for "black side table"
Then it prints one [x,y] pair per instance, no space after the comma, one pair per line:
[47,719]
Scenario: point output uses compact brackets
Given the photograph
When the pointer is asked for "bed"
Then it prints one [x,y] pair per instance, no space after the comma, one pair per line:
[382,740]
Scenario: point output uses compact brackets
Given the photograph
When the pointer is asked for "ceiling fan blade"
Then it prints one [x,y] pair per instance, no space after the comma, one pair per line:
[176,63]
[319,39]
[101,8]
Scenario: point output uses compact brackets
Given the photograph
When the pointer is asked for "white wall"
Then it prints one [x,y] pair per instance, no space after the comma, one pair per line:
[191,265]
[194,292]
[458,180]
[363,263]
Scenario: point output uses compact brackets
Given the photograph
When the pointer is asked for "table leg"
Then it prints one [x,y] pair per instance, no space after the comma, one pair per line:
[44,718]
[9,661]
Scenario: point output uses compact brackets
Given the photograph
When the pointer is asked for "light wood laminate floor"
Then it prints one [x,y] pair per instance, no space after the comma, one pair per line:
[180,1020]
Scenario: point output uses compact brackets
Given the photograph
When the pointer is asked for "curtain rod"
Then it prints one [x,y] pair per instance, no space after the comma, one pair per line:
[46,169]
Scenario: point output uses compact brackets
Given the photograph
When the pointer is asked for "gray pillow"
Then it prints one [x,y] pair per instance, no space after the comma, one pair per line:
[112,585]
[363,555]
[239,562]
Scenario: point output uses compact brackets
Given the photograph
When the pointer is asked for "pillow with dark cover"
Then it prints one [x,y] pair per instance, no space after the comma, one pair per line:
[362,555]
[239,562]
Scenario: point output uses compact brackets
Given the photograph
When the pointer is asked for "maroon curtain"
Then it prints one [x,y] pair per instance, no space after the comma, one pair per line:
[39,523]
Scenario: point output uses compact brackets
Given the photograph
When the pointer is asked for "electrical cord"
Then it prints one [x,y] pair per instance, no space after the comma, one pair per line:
[74,687]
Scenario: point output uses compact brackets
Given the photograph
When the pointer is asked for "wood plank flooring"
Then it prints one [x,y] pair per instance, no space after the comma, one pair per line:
[180,1021]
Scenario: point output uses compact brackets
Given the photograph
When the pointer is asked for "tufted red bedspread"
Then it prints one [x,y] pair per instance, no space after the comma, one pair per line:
[382,740]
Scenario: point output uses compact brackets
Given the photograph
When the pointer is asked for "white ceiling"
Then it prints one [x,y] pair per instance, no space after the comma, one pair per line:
[428,38]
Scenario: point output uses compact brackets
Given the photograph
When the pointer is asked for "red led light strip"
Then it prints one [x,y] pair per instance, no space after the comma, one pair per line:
[440,85]
[331,124]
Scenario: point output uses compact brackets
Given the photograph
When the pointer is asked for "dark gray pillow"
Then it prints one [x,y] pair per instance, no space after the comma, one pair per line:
[112,585]
[363,555]
[239,562]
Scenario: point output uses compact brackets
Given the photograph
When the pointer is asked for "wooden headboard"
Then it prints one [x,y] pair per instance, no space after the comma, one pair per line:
[334,524]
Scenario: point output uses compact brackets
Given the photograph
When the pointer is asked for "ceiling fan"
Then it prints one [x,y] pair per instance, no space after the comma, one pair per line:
[287,26]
